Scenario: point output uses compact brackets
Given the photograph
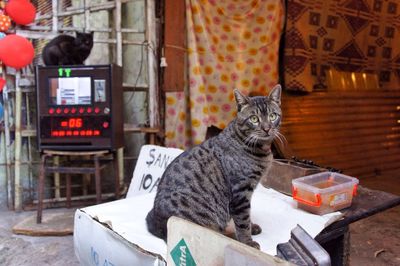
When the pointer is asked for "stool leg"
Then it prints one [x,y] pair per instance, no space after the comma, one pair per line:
[41,189]
[85,183]
[68,177]
[116,175]
[97,179]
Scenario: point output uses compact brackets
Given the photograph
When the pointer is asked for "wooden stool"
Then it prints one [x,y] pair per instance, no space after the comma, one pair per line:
[71,169]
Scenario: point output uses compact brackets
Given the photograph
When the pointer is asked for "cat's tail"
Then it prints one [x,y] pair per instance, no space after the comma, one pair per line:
[156,225]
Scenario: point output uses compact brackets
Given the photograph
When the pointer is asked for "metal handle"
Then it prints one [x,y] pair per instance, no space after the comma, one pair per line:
[317,203]
[355,190]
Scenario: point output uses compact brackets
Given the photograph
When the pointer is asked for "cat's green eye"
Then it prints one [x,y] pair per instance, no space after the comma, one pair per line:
[273,117]
[254,119]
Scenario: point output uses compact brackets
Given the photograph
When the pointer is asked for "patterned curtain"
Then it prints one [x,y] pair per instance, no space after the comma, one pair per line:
[231,44]
[350,35]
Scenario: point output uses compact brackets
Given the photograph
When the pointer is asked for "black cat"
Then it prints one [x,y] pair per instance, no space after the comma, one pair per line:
[68,50]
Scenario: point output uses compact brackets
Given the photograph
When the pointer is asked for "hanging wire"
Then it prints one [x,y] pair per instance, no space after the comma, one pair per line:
[144,43]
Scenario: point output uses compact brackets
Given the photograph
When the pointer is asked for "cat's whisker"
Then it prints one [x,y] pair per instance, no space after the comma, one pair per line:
[252,142]
[280,134]
[249,141]
[278,137]
[282,138]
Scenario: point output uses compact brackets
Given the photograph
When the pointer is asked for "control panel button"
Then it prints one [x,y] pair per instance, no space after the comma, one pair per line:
[89,110]
[51,111]
[106,124]
[81,110]
[58,110]
[106,110]
[73,110]
[66,110]
[97,110]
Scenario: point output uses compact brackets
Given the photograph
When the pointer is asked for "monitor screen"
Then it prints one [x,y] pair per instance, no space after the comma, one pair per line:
[70,91]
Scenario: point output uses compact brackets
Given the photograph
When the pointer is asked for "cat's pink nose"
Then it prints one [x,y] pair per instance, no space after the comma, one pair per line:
[267,130]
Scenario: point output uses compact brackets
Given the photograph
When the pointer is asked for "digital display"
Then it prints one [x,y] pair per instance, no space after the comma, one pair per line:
[76,126]
[79,107]
[70,91]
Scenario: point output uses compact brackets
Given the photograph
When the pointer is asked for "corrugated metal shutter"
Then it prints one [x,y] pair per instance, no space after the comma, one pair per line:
[357,132]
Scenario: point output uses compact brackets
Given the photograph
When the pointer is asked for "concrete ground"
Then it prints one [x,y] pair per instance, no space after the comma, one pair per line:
[20,250]
[375,241]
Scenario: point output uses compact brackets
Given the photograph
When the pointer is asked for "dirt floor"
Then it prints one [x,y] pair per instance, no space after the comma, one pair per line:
[374,241]
[20,250]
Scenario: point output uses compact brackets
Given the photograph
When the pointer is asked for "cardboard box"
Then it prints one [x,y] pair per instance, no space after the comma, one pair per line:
[115,233]
[191,244]
[105,234]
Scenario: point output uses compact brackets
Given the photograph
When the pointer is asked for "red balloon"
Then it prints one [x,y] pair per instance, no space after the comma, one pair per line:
[16,51]
[21,11]
[2,84]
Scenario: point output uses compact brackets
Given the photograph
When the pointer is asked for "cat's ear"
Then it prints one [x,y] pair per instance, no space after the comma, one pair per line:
[241,100]
[275,94]
[91,33]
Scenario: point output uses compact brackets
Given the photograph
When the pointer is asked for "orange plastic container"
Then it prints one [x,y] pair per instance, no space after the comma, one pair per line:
[324,192]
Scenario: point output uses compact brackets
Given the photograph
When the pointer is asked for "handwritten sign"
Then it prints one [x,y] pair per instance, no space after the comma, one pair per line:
[151,164]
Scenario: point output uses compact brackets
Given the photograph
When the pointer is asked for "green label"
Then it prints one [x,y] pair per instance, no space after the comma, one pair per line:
[64,72]
[181,255]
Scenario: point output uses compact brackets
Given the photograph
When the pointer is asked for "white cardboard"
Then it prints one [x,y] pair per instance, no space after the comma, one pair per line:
[97,244]
[122,222]
[189,242]
[115,233]
[151,164]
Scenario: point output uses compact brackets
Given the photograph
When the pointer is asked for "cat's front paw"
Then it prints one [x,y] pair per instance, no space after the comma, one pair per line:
[255,229]
[253,244]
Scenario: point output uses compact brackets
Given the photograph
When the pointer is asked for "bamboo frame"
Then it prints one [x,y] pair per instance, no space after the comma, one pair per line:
[150,43]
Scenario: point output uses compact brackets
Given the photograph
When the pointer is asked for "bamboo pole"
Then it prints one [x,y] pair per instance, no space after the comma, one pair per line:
[7,138]
[152,63]
[84,197]
[86,4]
[56,176]
[30,158]
[17,144]
[118,28]
[54,4]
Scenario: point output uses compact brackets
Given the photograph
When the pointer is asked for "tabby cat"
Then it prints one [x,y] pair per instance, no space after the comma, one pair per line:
[214,181]
[68,50]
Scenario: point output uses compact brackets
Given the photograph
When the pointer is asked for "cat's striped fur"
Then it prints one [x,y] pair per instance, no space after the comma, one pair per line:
[214,181]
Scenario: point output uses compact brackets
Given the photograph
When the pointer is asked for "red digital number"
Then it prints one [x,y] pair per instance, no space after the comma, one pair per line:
[72,123]
[78,122]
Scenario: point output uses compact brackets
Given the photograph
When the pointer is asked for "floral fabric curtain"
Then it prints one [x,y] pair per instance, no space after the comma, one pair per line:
[231,44]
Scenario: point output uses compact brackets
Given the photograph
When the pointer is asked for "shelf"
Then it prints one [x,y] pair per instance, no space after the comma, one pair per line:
[129,128]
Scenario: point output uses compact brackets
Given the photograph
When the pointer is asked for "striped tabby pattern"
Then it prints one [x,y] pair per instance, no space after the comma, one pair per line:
[214,181]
